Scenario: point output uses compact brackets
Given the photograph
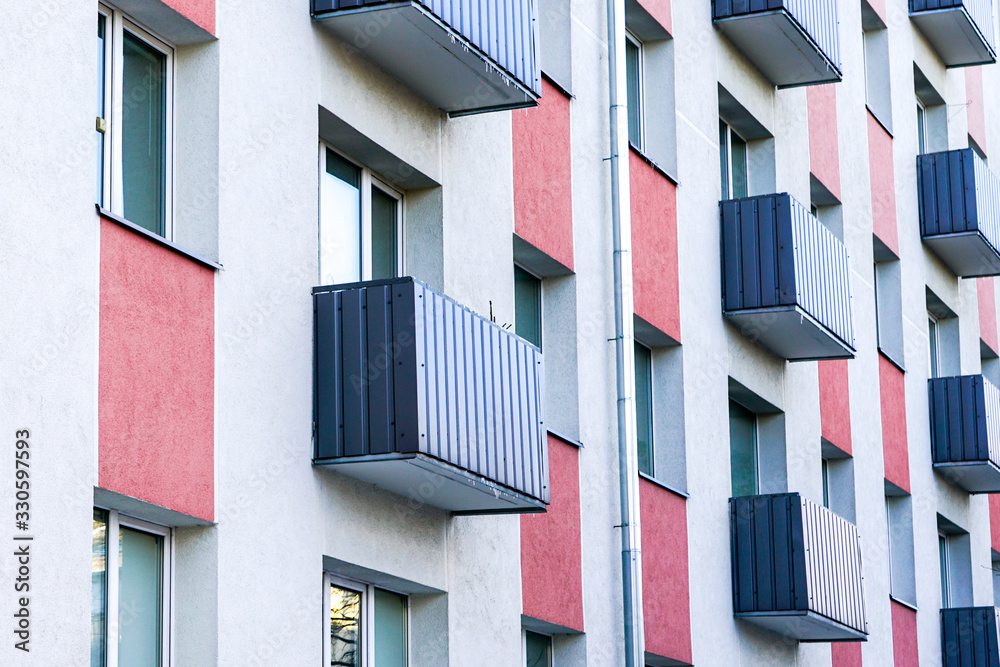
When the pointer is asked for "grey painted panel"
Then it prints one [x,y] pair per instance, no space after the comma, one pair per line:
[437,47]
[786,278]
[793,42]
[969,637]
[795,559]
[402,368]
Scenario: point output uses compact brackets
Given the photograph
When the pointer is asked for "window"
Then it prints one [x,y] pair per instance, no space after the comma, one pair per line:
[528,306]
[743,450]
[944,557]
[733,162]
[825,471]
[933,341]
[130,592]
[902,570]
[360,223]
[134,128]
[633,75]
[537,649]
[888,306]
[644,407]
[921,128]
[368,625]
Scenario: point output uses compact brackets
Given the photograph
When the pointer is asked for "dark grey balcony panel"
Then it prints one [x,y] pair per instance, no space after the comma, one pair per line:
[792,42]
[419,395]
[965,431]
[786,279]
[796,568]
[969,637]
[961,31]
[463,56]
[959,201]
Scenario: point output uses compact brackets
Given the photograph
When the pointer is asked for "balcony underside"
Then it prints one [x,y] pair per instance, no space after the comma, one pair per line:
[408,41]
[973,476]
[954,37]
[790,333]
[779,48]
[425,480]
[805,626]
[967,254]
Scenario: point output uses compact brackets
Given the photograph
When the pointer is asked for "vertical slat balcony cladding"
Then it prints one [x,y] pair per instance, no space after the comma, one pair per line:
[463,56]
[961,31]
[797,568]
[959,202]
[786,278]
[792,42]
[418,395]
[969,637]
[965,431]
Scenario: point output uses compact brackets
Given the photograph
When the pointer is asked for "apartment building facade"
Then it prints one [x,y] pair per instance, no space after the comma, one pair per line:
[312,323]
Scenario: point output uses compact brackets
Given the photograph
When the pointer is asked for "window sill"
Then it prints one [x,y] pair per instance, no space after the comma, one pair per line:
[663,485]
[565,438]
[558,86]
[645,158]
[118,220]
[892,361]
[908,605]
[879,121]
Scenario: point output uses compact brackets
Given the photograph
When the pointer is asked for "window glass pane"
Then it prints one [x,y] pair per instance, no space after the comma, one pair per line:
[743,449]
[527,306]
[633,93]
[345,627]
[644,407]
[100,106]
[943,557]
[825,468]
[932,347]
[739,150]
[384,234]
[144,134]
[390,629]
[99,589]
[538,650]
[724,157]
[921,129]
[340,222]
[140,598]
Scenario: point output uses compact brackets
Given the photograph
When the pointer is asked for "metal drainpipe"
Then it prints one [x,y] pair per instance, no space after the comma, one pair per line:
[621,224]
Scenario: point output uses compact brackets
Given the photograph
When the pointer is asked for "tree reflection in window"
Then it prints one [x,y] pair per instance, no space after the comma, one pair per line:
[345,627]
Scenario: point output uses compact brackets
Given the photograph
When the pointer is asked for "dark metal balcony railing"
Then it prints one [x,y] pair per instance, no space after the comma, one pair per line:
[960,211]
[786,279]
[792,42]
[961,31]
[965,431]
[796,568]
[969,637]
[419,395]
[463,56]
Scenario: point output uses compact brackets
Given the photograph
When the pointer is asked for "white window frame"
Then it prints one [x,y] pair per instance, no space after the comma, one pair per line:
[641,85]
[921,127]
[367,592]
[730,131]
[652,405]
[756,448]
[524,646]
[933,350]
[116,521]
[945,569]
[368,180]
[116,24]
[541,304]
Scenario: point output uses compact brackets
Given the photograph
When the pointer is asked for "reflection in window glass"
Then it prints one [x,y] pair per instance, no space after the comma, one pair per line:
[99,589]
[633,78]
[340,222]
[945,574]
[538,650]
[738,150]
[724,157]
[527,306]
[743,449]
[345,627]
[140,598]
[384,252]
[144,134]
[644,407]
[390,629]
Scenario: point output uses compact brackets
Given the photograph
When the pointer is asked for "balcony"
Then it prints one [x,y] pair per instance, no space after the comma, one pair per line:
[969,637]
[961,31]
[463,56]
[965,431]
[960,211]
[792,42]
[420,396]
[786,281]
[797,569]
